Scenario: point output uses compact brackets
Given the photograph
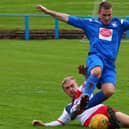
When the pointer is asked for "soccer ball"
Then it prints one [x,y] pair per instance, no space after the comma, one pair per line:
[99,121]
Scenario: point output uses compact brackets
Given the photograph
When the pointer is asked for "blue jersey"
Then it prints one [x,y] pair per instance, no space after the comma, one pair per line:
[104,39]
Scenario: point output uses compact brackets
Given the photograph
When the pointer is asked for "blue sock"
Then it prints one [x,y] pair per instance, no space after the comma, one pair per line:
[90,85]
[97,99]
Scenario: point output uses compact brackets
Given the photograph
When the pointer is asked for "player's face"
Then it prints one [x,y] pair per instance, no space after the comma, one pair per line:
[70,88]
[105,15]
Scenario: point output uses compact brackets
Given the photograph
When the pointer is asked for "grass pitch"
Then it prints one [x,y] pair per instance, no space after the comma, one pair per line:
[30,77]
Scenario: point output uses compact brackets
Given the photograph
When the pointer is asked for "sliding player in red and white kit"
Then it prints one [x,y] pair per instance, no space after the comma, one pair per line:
[71,88]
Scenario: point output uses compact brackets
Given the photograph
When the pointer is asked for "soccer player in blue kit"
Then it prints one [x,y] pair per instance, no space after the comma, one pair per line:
[104,34]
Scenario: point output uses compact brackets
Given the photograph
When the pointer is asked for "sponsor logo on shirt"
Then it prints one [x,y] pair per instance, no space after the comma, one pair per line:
[105,34]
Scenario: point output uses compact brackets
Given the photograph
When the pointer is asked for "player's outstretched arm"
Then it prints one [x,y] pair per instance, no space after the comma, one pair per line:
[61,16]
[52,123]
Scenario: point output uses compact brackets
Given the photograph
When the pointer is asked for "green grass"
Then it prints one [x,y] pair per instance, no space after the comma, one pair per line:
[75,7]
[30,77]
[72,7]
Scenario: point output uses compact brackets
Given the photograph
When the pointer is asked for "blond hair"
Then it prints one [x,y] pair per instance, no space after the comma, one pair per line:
[66,79]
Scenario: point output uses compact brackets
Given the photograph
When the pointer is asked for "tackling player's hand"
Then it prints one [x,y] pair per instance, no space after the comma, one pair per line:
[82,69]
[42,8]
[37,123]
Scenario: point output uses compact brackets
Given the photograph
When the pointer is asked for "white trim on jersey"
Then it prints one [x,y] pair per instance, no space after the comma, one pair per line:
[122,20]
[87,113]
[53,123]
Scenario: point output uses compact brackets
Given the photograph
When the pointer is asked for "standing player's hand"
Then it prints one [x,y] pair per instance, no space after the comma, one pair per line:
[42,8]
[37,123]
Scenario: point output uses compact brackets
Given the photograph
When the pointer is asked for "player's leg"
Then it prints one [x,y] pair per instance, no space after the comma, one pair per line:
[108,80]
[123,118]
[92,80]
[90,86]
[94,69]
[107,91]
[94,66]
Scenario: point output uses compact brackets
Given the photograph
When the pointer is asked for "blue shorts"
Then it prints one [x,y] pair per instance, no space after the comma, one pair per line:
[108,69]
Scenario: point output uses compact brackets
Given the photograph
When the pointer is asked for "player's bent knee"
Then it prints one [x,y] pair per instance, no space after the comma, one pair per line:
[96,71]
[109,93]
[108,89]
